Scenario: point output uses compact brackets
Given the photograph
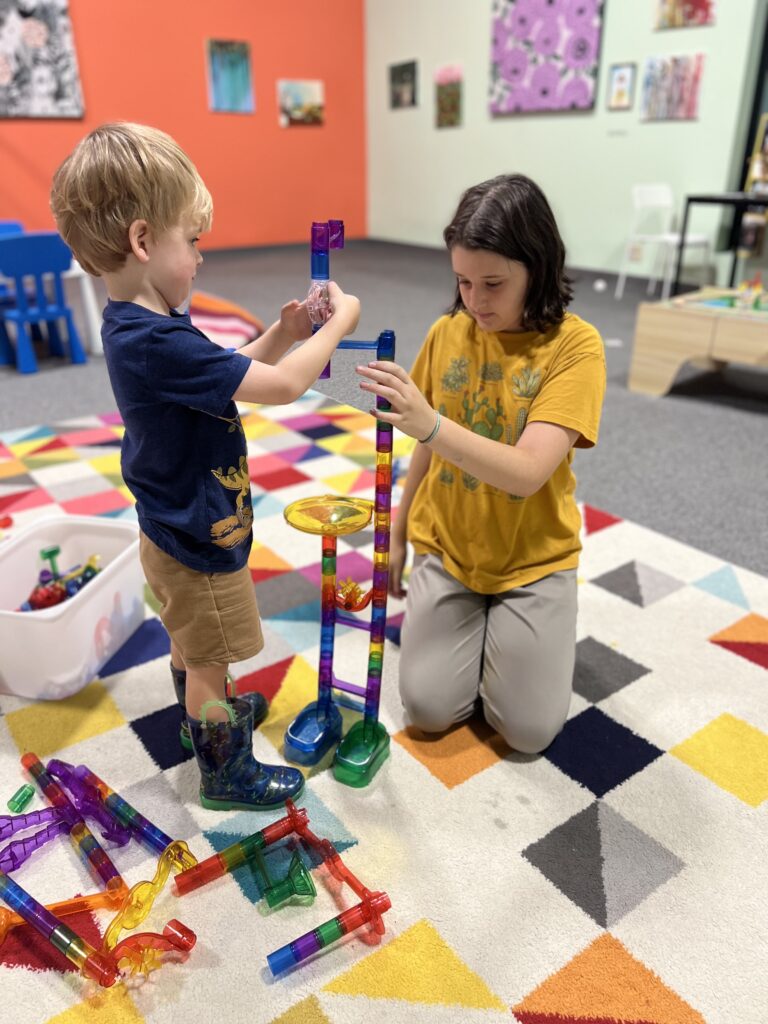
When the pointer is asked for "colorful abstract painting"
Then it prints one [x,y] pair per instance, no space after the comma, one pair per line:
[300,103]
[544,55]
[448,86]
[685,13]
[38,66]
[229,77]
[670,88]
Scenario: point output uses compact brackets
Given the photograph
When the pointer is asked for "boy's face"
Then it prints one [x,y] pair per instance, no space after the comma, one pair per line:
[492,288]
[173,262]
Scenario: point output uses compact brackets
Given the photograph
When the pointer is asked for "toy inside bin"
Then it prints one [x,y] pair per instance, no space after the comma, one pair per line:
[52,653]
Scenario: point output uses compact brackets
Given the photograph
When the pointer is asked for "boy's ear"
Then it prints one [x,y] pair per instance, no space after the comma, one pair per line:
[139,238]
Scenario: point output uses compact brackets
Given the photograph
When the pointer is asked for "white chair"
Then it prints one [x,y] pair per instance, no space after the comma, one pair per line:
[653,217]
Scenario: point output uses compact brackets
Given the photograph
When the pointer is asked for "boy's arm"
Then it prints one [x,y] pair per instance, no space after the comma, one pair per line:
[293,375]
[294,325]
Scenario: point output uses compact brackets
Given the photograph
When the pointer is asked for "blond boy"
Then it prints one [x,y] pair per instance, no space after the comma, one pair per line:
[132,206]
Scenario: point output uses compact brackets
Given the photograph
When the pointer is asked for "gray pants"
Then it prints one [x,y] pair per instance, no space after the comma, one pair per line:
[515,651]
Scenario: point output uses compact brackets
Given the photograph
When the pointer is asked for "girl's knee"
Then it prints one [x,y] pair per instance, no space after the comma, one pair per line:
[528,737]
[424,713]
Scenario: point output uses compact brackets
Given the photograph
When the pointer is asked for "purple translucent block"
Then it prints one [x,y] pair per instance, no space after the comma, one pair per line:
[380,540]
[305,946]
[321,236]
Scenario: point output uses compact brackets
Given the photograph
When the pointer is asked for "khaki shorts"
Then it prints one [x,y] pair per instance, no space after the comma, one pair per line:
[212,618]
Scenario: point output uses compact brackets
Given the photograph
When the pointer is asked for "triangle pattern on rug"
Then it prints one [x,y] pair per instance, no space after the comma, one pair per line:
[26,947]
[724,583]
[605,983]
[748,638]
[595,519]
[105,1006]
[638,583]
[418,967]
[308,1011]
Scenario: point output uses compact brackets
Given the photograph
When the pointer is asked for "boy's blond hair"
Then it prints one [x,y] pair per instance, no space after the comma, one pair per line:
[117,174]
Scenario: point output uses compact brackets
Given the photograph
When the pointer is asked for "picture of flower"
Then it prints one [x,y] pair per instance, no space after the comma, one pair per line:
[39,76]
[448,84]
[544,56]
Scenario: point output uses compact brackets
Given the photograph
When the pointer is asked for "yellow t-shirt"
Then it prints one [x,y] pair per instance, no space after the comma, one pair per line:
[494,383]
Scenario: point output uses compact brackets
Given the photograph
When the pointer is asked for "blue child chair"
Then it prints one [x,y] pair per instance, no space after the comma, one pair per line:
[36,255]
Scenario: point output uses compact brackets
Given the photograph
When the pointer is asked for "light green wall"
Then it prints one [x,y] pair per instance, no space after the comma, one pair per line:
[585,162]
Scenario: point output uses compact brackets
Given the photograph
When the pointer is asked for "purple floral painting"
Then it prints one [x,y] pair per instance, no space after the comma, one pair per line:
[544,55]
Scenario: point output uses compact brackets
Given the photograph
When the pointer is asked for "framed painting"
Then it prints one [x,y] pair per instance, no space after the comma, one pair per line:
[39,76]
[544,57]
[230,89]
[621,86]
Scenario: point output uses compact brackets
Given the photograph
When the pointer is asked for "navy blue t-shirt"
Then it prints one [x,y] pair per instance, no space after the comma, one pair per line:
[184,453]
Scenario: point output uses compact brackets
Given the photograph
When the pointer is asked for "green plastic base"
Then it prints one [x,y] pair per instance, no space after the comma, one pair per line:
[357,758]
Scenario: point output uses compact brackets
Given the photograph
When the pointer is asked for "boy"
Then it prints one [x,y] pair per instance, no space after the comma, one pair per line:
[131,206]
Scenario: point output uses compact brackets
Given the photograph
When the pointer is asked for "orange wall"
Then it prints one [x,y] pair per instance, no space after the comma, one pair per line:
[145,61]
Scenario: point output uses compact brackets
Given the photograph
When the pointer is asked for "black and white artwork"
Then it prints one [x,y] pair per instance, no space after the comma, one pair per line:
[38,66]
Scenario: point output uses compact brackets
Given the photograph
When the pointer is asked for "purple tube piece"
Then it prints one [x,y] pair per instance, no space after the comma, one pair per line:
[10,825]
[88,801]
[15,853]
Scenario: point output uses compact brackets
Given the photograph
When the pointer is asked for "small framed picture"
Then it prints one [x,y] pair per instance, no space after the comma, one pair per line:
[621,86]
[402,85]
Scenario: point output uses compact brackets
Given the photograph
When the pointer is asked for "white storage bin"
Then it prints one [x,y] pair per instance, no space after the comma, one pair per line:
[51,653]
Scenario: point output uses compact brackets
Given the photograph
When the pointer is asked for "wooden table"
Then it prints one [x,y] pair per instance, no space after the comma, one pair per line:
[681,330]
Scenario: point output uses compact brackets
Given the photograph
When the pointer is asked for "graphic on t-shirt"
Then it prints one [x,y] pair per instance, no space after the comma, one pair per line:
[232,530]
[456,376]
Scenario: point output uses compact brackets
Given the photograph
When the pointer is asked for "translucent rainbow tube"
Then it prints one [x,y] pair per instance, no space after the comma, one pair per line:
[82,838]
[147,833]
[368,911]
[79,952]
[233,856]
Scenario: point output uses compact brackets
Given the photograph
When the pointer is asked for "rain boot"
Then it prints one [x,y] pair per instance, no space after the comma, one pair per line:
[230,776]
[258,702]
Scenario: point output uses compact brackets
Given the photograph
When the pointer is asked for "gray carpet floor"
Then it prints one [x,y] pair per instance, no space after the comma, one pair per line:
[691,465]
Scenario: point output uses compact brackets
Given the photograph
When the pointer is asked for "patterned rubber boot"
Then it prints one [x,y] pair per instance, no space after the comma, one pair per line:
[230,776]
[258,702]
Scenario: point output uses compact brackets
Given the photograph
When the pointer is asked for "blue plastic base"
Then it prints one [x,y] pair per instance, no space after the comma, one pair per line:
[310,736]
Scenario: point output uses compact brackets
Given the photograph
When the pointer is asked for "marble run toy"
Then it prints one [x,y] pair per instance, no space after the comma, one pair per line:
[325,235]
[79,952]
[239,853]
[53,587]
[318,727]
[369,910]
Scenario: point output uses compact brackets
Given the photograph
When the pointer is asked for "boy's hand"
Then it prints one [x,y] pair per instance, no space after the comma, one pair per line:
[346,308]
[294,320]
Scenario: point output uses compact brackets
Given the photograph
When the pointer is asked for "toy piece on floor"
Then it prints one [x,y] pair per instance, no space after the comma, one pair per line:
[369,910]
[325,235]
[9,826]
[89,803]
[146,833]
[22,798]
[239,853]
[82,838]
[317,728]
[79,952]
[52,588]
[298,882]
[16,852]
[135,908]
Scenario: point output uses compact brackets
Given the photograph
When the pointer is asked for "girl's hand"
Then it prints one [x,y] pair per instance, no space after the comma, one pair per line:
[411,412]
[294,321]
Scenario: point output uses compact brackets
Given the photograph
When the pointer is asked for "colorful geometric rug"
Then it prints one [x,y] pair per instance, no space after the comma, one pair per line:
[619,878]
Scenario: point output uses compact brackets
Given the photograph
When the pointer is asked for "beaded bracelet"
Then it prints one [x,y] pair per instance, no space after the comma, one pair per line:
[433,433]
